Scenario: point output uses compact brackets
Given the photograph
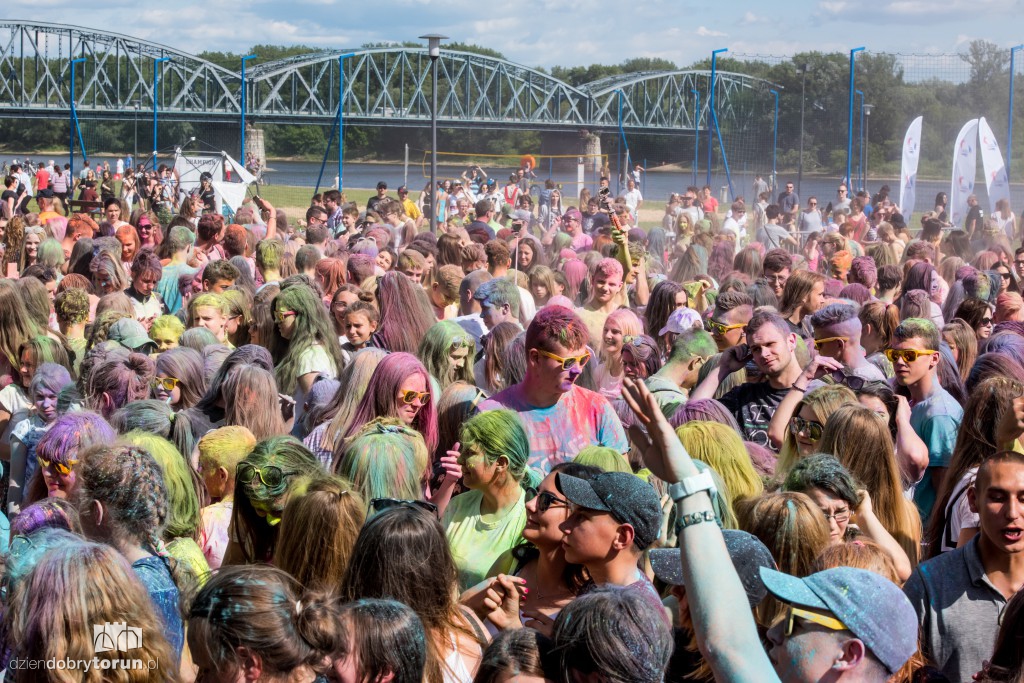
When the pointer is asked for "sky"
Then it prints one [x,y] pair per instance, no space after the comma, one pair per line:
[550,33]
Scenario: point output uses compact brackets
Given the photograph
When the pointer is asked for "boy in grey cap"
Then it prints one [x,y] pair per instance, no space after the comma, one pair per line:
[613,518]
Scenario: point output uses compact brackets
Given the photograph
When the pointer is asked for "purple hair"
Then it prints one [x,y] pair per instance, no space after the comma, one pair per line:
[381,397]
[405,314]
[833,287]
[855,292]
[73,432]
[720,261]
[706,409]
[576,272]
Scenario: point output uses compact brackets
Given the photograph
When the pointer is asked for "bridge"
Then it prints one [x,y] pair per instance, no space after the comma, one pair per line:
[380,86]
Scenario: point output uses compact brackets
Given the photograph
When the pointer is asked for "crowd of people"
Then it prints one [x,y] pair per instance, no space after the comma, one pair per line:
[543,443]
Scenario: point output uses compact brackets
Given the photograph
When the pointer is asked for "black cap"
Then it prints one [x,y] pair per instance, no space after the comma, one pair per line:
[748,555]
[628,498]
[402,189]
[382,185]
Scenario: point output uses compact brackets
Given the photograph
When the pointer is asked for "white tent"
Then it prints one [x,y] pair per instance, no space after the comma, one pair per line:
[188,168]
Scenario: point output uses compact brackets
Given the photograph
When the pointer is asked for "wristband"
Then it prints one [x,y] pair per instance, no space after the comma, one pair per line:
[794,387]
[695,518]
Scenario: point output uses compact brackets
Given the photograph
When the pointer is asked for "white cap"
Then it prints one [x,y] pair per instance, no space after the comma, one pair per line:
[681,320]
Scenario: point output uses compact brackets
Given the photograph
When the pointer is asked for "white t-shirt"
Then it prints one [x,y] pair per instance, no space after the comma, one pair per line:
[633,199]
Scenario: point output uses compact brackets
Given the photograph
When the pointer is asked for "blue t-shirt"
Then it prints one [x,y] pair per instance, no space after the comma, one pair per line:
[168,288]
[156,577]
[936,420]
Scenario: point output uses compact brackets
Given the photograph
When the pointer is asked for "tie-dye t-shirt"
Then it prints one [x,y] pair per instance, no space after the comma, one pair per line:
[558,433]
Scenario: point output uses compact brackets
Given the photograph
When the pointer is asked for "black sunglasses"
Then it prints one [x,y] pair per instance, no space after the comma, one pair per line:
[382,504]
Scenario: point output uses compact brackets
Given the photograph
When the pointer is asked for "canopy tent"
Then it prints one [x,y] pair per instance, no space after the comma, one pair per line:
[188,169]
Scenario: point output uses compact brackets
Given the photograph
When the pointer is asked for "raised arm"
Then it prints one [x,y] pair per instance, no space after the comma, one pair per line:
[784,413]
[732,360]
[727,637]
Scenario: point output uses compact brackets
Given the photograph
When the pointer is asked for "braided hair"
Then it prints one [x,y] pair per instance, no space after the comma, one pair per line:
[129,483]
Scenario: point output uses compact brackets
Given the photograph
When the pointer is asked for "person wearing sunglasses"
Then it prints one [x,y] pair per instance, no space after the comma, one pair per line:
[733,311]
[264,480]
[560,417]
[935,415]
[840,623]
[837,334]
[399,388]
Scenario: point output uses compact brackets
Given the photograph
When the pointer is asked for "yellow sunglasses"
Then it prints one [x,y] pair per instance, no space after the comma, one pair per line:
[715,327]
[58,467]
[165,383]
[830,623]
[907,355]
[569,361]
[818,343]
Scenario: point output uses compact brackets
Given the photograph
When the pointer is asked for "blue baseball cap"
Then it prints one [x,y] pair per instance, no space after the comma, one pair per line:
[871,606]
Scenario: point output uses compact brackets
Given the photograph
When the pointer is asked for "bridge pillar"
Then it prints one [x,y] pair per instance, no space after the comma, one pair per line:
[578,159]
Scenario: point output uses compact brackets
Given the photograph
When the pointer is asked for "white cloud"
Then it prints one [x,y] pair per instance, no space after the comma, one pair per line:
[708,33]
[750,18]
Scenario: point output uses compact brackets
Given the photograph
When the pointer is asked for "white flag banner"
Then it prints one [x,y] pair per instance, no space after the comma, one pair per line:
[995,170]
[965,167]
[908,173]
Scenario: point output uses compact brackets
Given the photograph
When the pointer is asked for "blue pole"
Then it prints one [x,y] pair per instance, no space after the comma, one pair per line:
[156,98]
[860,161]
[696,131]
[711,108]
[1009,117]
[244,60]
[74,120]
[775,134]
[341,114]
[849,128]
[327,150]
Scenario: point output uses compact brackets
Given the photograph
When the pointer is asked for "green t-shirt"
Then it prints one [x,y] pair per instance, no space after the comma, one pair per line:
[477,542]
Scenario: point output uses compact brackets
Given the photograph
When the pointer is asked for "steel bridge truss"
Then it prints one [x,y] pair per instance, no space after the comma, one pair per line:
[116,76]
[382,86]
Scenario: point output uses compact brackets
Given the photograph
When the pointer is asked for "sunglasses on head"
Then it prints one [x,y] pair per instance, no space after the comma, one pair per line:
[165,383]
[270,475]
[411,396]
[58,467]
[381,504]
[569,361]
[812,429]
[907,355]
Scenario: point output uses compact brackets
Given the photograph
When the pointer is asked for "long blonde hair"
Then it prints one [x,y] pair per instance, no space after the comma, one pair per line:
[823,401]
[861,440]
[721,448]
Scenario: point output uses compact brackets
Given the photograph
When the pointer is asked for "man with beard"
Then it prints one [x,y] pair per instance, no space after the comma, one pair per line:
[770,345]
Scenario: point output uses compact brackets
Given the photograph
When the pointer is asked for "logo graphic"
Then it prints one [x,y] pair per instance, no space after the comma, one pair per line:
[911,146]
[965,147]
[115,637]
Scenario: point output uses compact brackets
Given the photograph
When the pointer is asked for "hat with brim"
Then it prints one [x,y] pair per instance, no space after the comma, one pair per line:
[871,607]
[748,555]
[130,334]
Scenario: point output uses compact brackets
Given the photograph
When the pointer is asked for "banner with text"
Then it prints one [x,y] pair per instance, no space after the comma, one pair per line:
[965,167]
[995,170]
[908,173]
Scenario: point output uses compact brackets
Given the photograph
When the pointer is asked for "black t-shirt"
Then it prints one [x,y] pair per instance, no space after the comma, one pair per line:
[209,198]
[753,405]
[9,194]
[373,204]
[975,219]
